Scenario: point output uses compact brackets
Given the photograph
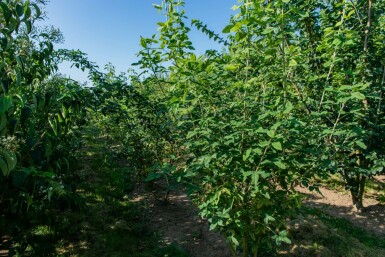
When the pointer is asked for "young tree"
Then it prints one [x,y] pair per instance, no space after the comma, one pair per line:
[298,92]
[244,146]
[337,65]
[40,112]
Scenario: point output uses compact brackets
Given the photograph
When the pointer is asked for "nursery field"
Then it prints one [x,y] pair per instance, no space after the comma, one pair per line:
[273,146]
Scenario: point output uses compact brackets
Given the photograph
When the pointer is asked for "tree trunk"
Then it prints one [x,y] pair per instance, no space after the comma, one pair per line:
[245,246]
[257,246]
[357,203]
[357,191]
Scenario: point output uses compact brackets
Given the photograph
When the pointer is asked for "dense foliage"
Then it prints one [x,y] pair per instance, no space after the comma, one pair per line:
[296,93]
[40,118]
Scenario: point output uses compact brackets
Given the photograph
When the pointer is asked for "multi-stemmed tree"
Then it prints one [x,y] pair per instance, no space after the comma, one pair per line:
[297,92]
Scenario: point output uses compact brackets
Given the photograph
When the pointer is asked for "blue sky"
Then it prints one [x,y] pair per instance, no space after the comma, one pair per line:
[109,30]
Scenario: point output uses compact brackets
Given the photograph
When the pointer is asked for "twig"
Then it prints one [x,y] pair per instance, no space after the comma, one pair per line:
[337,120]
[333,58]
[368,25]
[358,14]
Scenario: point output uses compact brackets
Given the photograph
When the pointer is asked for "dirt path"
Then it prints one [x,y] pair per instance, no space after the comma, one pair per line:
[179,222]
[338,204]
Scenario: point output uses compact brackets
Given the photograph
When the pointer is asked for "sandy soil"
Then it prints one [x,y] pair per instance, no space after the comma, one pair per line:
[178,222]
[339,204]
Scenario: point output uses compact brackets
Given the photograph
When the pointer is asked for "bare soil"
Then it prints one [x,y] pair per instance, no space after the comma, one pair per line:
[178,221]
[339,204]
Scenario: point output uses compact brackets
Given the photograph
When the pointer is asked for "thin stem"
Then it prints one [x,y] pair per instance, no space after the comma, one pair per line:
[257,245]
[232,250]
[300,96]
[333,59]
[366,42]
[244,246]
[283,54]
[245,95]
[381,94]
[337,120]
[368,26]
[263,155]
[358,14]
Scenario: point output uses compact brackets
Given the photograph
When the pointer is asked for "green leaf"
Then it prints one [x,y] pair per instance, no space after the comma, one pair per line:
[27,11]
[247,174]
[213,226]
[4,167]
[143,42]
[37,10]
[344,99]
[28,24]
[6,11]
[293,63]
[191,134]
[361,144]
[231,67]
[264,143]
[236,27]
[18,77]
[60,118]
[280,165]
[3,121]
[282,237]
[157,6]
[227,29]
[268,218]
[358,95]
[8,162]
[20,62]
[246,154]
[153,176]
[264,115]
[271,133]
[5,104]
[11,159]
[53,124]
[268,30]
[4,86]
[19,10]
[277,145]
[304,14]
[234,240]
[193,57]
[288,107]
[337,42]
[276,125]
